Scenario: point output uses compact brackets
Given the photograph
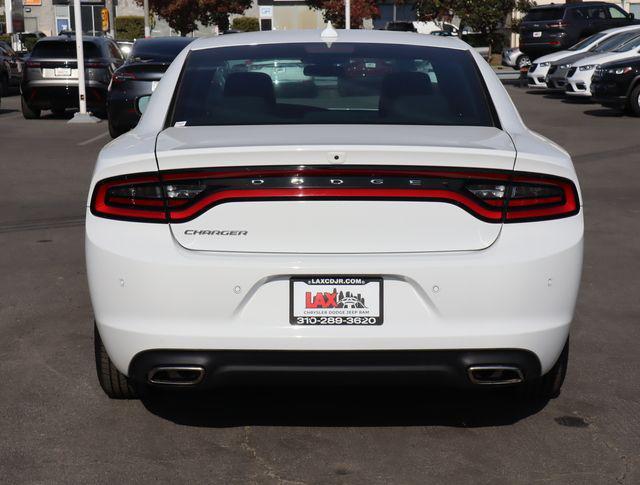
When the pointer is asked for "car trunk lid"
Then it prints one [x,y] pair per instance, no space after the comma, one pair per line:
[358,160]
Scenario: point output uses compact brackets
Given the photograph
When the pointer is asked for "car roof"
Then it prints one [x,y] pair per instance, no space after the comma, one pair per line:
[342,36]
[72,38]
[160,41]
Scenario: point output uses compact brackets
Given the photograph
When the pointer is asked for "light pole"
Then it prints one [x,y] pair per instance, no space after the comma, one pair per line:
[81,116]
[147,28]
[347,14]
[8,16]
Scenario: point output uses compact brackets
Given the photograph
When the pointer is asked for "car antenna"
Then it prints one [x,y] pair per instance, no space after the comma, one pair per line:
[329,34]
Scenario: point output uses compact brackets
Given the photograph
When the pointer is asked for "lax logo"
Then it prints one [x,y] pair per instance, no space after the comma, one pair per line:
[334,300]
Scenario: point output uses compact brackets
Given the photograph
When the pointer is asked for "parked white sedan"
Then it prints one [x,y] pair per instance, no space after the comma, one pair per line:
[413,229]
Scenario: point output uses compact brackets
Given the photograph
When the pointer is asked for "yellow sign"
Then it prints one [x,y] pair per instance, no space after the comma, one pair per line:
[104,15]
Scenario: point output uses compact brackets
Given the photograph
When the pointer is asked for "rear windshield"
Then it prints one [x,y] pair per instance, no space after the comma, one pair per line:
[158,51]
[592,39]
[342,84]
[544,14]
[614,41]
[64,50]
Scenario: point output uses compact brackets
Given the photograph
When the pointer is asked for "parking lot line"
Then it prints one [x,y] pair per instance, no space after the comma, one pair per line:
[95,138]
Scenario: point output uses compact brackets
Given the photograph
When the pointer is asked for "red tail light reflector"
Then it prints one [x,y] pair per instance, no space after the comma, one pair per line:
[178,196]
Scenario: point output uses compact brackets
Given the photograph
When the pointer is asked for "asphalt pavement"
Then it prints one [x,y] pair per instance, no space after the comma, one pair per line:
[56,425]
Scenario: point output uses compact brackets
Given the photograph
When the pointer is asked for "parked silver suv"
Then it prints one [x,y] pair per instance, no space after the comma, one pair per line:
[50,79]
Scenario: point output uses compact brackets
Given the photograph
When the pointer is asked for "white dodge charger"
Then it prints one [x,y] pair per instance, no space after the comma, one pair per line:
[384,214]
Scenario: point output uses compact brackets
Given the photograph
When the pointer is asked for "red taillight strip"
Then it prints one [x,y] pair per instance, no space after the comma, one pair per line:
[570,205]
[466,202]
[100,202]
[490,210]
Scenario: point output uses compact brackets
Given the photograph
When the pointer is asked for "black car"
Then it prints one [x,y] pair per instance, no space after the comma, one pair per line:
[50,79]
[148,61]
[617,85]
[399,26]
[10,68]
[552,27]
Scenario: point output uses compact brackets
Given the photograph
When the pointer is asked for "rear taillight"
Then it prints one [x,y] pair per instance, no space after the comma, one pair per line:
[179,196]
[32,64]
[120,77]
[560,25]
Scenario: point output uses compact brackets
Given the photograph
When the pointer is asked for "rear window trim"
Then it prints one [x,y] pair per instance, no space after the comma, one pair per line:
[495,118]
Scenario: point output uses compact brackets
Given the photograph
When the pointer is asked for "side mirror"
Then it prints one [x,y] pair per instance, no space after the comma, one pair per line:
[632,15]
[142,102]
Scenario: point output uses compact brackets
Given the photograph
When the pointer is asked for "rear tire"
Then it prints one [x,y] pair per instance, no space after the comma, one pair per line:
[113,382]
[114,131]
[28,112]
[634,101]
[548,386]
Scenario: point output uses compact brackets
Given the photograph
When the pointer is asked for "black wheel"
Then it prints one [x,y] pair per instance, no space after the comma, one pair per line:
[548,386]
[58,111]
[114,131]
[634,101]
[28,112]
[113,382]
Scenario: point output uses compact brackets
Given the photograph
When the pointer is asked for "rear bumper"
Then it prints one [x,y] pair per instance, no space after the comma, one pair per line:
[149,293]
[45,95]
[232,367]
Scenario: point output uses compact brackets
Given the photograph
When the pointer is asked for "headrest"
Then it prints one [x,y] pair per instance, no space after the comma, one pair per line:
[250,85]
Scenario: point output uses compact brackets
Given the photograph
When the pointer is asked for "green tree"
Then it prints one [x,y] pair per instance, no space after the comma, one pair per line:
[333,10]
[485,16]
[245,24]
[183,16]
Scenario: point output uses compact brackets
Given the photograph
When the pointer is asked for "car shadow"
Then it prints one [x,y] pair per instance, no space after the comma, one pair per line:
[4,111]
[335,406]
[605,113]
[555,95]
[48,115]
[577,101]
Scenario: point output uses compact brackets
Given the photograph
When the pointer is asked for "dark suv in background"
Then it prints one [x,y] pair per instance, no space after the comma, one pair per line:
[138,77]
[50,79]
[552,27]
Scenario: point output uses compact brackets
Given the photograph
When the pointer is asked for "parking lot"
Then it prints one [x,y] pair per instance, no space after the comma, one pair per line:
[57,426]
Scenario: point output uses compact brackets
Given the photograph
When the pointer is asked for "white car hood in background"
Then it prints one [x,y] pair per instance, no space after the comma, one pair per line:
[556,56]
[336,226]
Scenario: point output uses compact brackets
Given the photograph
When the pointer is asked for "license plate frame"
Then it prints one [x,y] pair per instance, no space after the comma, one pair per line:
[365,300]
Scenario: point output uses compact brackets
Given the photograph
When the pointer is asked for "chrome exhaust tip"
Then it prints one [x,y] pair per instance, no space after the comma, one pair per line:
[495,375]
[176,375]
